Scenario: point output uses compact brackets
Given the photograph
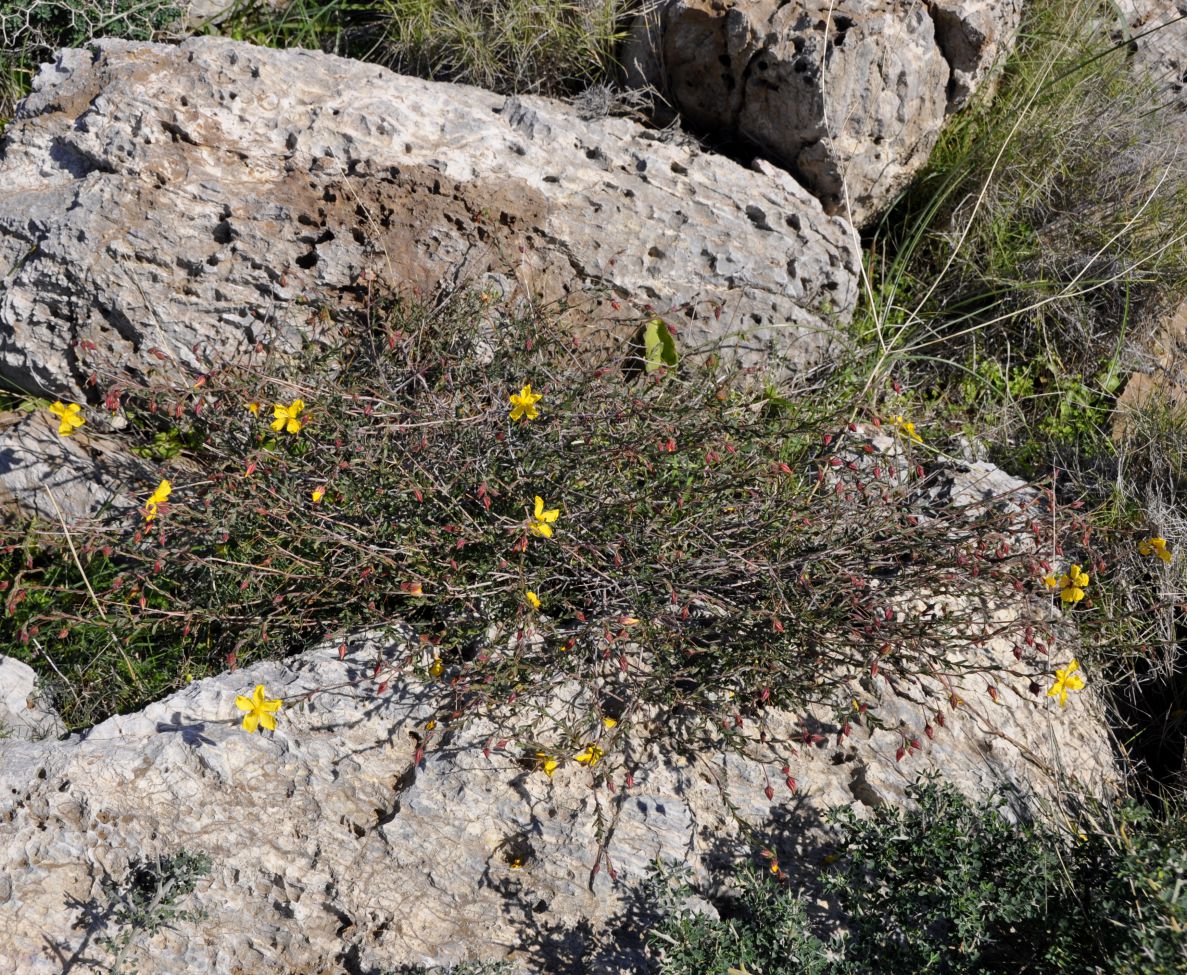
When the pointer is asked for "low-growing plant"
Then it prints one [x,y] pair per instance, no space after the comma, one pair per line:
[681,543]
[951,886]
[148,900]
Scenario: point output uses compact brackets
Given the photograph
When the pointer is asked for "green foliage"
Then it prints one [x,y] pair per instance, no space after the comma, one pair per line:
[148,900]
[555,47]
[768,934]
[948,887]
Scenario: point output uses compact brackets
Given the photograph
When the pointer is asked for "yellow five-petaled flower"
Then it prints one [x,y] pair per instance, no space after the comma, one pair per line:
[286,417]
[1155,546]
[157,498]
[260,711]
[907,428]
[533,599]
[1066,680]
[69,417]
[1071,584]
[541,522]
[547,763]
[591,756]
[523,404]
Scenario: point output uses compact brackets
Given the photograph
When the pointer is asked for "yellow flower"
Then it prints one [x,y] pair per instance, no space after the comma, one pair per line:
[523,404]
[286,417]
[69,415]
[319,492]
[436,668]
[158,497]
[547,763]
[541,523]
[533,599]
[591,756]
[609,722]
[1155,546]
[253,408]
[259,710]
[1066,680]
[907,428]
[1072,584]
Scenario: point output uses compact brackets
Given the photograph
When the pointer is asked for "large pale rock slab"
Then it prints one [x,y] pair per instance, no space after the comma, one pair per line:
[337,845]
[167,207]
[849,96]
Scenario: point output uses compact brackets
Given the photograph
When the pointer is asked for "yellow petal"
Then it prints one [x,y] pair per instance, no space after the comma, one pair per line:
[270,706]
[318,493]
[533,599]
[58,408]
[550,515]
[250,722]
[539,506]
[244,703]
[543,529]
[277,424]
[609,722]
[268,721]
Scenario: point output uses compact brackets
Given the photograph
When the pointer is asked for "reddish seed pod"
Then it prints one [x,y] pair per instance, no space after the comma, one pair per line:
[769,792]
[929,731]
[899,753]
[790,783]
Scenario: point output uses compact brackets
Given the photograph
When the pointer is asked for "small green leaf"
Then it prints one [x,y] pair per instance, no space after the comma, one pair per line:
[659,348]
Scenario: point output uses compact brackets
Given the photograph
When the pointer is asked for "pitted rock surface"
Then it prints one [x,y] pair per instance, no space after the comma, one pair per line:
[170,207]
[848,96]
[336,846]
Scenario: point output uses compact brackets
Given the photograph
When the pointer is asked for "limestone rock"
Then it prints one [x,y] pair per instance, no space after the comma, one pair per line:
[974,36]
[1157,32]
[337,844]
[24,713]
[848,96]
[169,207]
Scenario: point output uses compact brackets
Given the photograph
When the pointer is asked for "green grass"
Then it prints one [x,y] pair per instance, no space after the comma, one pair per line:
[552,47]
[1047,232]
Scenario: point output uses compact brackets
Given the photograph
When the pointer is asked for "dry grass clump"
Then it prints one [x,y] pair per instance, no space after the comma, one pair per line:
[553,47]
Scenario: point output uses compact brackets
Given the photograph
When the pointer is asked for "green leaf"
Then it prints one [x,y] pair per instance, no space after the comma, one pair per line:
[659,348]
